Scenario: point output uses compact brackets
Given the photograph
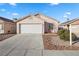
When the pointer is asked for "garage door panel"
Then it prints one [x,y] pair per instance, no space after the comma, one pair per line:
[75,28]
[0,26]
[31,28]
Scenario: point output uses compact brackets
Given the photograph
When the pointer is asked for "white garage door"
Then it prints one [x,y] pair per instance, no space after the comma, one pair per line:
[31,28]
[1,30]
[0,26]
[75,29]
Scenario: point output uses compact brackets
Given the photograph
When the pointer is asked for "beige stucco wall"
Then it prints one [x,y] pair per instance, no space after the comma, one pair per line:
[49,20]
[9,27]
[31,20]
[39,19]
[75,23]
[64,26]
[74,27]
[1,23]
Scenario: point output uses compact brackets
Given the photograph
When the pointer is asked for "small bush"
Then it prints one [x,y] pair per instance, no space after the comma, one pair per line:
[64,35]
[61,32]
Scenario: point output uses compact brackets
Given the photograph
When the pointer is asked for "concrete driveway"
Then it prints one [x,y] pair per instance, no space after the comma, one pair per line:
[29,45]
[20,44]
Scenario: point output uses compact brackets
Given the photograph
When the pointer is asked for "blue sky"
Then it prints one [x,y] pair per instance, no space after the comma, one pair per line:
[59,11]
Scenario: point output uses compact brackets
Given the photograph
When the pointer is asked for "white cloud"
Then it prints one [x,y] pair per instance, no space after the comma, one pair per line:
[65,16]
[68,13]
[13,4]
[55,3]
[2,10]
[15,14]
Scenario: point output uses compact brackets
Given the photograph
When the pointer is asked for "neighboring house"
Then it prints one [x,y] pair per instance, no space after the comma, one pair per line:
[37,23]
[7,25]
[74,25]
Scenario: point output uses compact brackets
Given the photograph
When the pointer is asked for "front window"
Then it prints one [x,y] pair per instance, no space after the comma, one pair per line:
[50,26]
[1,26]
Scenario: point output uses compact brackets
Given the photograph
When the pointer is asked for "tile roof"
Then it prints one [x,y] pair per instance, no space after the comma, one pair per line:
[5,19]
[70,21]
[23,18]
[36,15]
[47,17]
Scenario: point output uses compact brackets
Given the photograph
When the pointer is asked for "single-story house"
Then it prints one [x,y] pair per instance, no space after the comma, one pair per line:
[37,23]
[74,25]
[7,25]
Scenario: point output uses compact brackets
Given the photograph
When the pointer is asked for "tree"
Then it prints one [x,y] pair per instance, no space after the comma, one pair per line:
[15,19]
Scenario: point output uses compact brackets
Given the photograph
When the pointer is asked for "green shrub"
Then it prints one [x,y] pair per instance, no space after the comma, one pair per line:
[64,35]
[74,37]
[61,32]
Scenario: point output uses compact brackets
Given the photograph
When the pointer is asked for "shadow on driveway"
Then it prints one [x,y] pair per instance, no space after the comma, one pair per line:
[5,36]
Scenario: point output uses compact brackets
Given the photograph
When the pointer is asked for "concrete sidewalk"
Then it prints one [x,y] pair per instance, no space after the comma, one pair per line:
[61,53]
[38,52]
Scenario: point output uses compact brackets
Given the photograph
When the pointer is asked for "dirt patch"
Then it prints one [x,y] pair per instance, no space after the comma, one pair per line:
[5,36]
[49,45]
